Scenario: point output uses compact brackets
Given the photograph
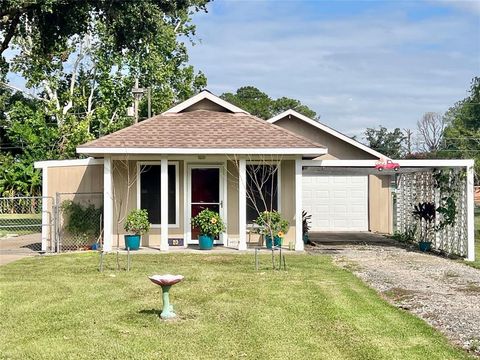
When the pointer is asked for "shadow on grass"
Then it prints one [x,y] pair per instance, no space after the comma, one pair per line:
[151,312]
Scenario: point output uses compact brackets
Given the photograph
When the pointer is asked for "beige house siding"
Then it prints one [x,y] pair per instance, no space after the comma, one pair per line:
[380,204]
[337,149]
[74,179]
[206,104]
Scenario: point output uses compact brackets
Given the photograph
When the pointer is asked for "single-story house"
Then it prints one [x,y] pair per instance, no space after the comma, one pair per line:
[206,152]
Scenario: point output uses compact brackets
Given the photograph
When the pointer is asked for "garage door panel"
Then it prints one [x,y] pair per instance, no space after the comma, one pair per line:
[336,203]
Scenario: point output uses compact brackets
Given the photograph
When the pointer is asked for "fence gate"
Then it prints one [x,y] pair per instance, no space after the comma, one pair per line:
[26,224]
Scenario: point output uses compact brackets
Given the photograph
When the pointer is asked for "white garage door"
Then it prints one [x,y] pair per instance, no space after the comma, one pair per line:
[336,203]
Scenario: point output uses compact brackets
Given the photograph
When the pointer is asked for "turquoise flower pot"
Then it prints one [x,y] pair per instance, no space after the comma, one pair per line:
[132,242]
[277,241]
[205,242]
[424,246]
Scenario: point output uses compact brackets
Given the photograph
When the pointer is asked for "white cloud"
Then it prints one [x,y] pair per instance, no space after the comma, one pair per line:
[355,70]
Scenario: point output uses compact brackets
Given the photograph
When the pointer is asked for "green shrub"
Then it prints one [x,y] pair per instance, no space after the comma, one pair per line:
[82,220]
[209,222]
[271,222]
[137,222]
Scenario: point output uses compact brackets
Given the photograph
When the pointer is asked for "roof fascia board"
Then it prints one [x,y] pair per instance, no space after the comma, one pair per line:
[201,96]
[328,130]
[72,162]
[403,163]
[206,151]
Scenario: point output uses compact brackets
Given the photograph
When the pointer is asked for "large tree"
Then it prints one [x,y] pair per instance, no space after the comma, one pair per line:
[258,103]
[389,143]
[430,131]
[462,133]
[82,59]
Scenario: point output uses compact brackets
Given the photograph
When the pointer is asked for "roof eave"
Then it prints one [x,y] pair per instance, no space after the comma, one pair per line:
[93,151]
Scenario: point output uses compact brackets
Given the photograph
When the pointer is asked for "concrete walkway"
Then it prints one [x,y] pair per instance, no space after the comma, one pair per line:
[14,248]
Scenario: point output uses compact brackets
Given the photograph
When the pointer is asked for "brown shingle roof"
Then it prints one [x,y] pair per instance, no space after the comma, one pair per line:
[203,129]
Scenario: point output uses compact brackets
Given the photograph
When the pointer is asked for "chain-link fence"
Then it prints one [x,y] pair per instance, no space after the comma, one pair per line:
[26,224]
[78,221]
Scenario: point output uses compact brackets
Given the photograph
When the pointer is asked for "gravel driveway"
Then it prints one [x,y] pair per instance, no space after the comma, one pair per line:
[443,292]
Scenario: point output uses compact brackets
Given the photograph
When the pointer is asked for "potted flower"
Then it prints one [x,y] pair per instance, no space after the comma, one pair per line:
[425,213]
[210,224]
[138,224]
[273,227]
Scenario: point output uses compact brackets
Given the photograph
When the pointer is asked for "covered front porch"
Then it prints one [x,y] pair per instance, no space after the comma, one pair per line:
[174,188]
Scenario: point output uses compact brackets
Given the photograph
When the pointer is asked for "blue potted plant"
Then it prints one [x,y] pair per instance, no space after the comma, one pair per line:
[210,225]
[273,227]
[425,213]
[138,224]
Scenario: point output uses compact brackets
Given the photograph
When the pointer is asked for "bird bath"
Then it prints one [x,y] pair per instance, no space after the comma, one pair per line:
[166,282]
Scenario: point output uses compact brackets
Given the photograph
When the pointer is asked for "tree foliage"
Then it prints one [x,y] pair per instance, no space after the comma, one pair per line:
[51,23]
[258,103]
[389,143]
[462,133]
[82,59]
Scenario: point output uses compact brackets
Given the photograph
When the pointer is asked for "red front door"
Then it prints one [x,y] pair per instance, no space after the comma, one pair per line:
[205,192]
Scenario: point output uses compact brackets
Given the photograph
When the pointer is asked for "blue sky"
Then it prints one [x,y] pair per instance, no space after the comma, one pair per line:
[357,64]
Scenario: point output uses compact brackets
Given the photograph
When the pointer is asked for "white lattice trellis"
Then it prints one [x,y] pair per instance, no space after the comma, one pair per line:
[416,187]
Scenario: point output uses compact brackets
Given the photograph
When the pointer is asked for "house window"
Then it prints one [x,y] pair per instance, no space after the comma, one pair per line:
[262,189]
[150,197]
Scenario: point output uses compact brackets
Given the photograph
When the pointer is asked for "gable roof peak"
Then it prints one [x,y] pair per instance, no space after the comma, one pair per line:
[327,129]
[205,95]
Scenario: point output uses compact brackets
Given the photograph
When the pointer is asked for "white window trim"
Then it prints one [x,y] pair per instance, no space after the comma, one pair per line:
[279,181]
[177,191]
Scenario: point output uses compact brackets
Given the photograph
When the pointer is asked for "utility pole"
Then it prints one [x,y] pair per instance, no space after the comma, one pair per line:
[408,140]
[149,102]
[137,95]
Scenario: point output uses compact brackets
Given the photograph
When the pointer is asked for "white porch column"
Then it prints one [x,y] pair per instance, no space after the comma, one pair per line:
[107,204]
[242,203]
[46,215]
[164,203]
[298,205]
[470,215]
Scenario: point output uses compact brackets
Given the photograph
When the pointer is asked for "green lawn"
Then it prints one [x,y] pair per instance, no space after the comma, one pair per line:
[61,307]
[20,224]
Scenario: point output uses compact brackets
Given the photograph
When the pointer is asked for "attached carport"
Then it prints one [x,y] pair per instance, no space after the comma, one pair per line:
[343,195]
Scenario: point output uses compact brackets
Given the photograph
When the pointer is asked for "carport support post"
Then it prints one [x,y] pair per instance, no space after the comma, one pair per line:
[298,205]
[470,215]
[164,203]
[242,203]
[46,215]
[107,204]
